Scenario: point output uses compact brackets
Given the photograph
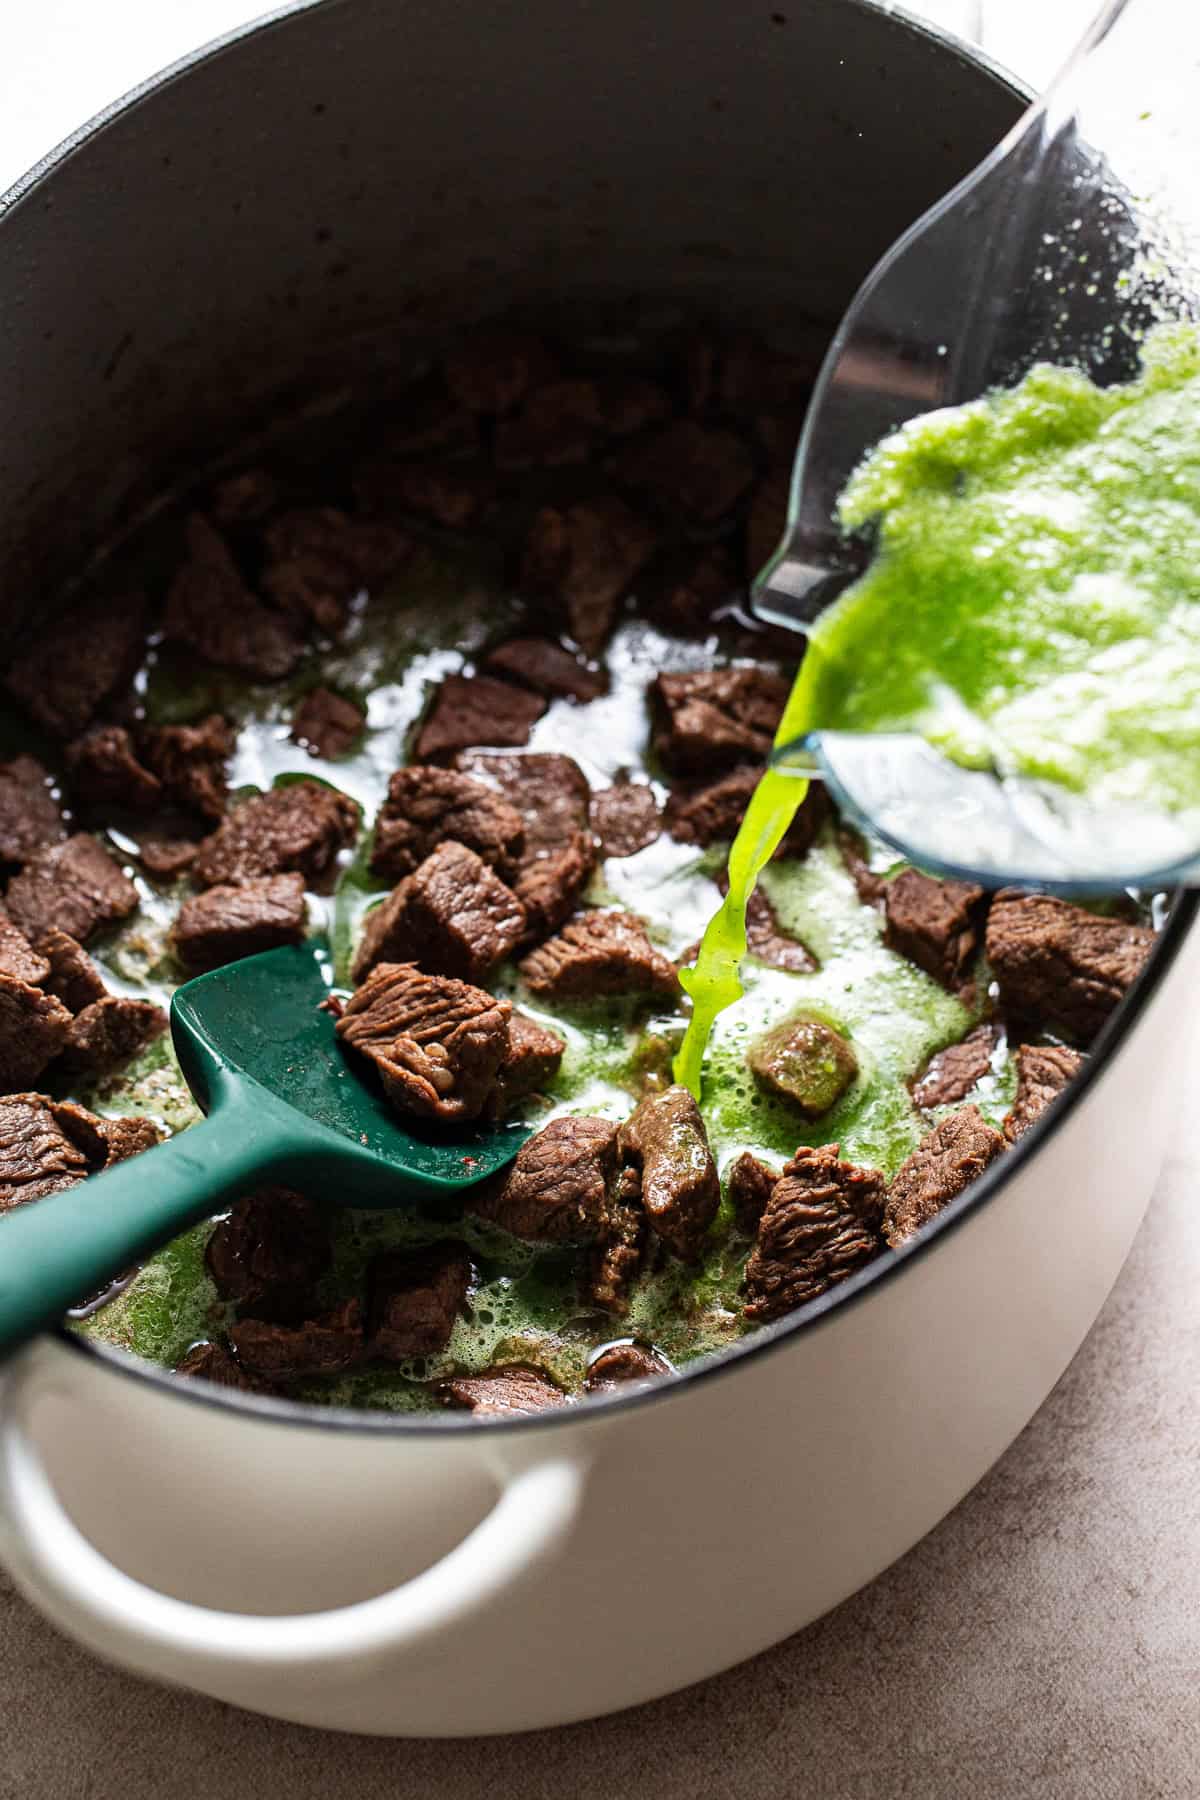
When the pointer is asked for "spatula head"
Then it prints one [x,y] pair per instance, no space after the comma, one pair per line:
[253,1041]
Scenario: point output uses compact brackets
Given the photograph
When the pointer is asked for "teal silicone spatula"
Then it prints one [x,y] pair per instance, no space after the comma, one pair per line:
[283,1103]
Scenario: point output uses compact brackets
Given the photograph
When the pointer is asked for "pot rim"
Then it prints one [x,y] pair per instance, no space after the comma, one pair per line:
[769,1337]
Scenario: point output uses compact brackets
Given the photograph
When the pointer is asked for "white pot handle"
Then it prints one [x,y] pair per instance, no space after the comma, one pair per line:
[86,1594]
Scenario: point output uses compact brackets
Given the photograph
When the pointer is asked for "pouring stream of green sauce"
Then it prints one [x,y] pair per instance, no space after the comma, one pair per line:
[1034,607]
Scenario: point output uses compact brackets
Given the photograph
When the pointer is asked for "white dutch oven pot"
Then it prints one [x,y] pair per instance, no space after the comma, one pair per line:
[294,201]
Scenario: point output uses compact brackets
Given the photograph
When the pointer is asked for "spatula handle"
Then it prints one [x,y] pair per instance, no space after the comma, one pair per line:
[56,1251]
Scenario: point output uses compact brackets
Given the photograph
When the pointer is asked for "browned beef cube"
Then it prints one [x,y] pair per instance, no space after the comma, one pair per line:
[75,886]
[600,953]
[625,818]
[227,922]
[190,762]
[709,719]
[556,1191]
[438,1045]
[614,1263]
[941,1166]
[814,1231]
[490,370]
[738,372]
[211,611]
[805,1061]
[534,1053]
[241,499]
[696,592]
[104,770]
[749,1185]
[426,805]
[72,974]
[110,1031]
[18,957]
[767,940]
[1043,1071]
[1059,965]
[413,1299]
[768,519]
[936,924]
[551,794]
[105,1141]
[326,1345]
[455,495]
[83,658]
[168,856]
[212,1362]
[868,885]
[318,558]
[328,724]
[299,827]
[565,421]
[579,563]
[700,471]
[268,1255]
[950,1074]
[474,709]
[618,1367]
[37,1156]
[711,813]
[29,815]
[547,668]
[666,1141]
[502,1391]
[451,916]
[425,421]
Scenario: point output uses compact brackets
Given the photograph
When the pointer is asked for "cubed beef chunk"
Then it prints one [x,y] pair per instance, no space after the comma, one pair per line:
[268,1255]
[299,827]
[426,805]
[804,1061]
[104,1141]
[936,924]
[711,813]
[110,1031]
[556,1191]
[625,818]
[213,1362]
[534,1053]
[474,709]
[438,1044]
[618,1367]
[72,974]
[616,1258]
[1058,965]
[738,373]
[104,770]
[768,518]
[600,953]
[167,856]
[413,1299]
[813,1232]
[547,668]
[708,719]
[665,1140]
[490,370]
[29,815]
[698,471]
[74,887]
[244,498]
[327,724]
[212,612]
[423,420]
[451,916]
[33,1030]
[501,1392]
[37,1156]
[190,761]
[456,495]
[83,658]
[580,562]
[551,794]
[767,940]
[941,1166]
[326,1345]
[318,558]
[868,885]
[18,957]
[1043,1071]
[227,922]
[695,591]
[950,1074]
[566,421]
[749,1184]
